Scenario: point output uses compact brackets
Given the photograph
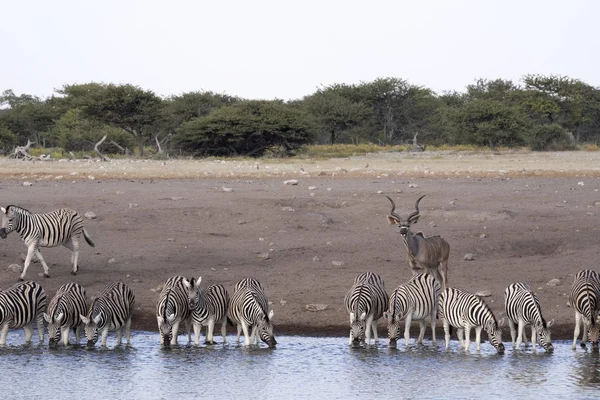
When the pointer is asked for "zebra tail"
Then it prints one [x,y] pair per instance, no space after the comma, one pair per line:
[230,322]
[87,238]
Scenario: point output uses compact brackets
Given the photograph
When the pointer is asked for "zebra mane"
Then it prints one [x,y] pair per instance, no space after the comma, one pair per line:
[17,209]
[266,312]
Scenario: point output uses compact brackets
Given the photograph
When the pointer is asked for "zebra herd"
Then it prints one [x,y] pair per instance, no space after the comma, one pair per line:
[425,297]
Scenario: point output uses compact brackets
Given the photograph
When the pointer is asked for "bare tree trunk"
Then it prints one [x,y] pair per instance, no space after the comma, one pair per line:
[72,155]
[97,150]
[21,152]
[118,146]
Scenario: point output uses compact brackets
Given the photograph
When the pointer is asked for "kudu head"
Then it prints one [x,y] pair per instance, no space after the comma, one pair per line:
[404,224]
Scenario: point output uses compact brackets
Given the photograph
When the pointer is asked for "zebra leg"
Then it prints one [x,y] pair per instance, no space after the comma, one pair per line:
[224,329]
[239,331]
[175,332]
[432,323]
[119,336]
[28,333]
[3,334]
[443,268]
[209,331]
[246,335]
[374,326]
[584,338]
[30,250]
[104,336]
[478,337]
[513,331]
[38,254]
[421,331]
[78,334]
[407,323]
[460,332]
[467,332]
[576,333]
[533,338]
[73,245]
[128,331]
[197,329]
[447,333]
[40,327]
[64,334]
[521,330]
[368,324]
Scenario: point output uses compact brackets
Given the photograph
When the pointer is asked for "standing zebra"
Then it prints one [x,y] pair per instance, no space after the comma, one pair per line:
[249,308]
[415,300]
[366,302]
[523,308]
[20,306]
[173,309]
[111,311]
[208,306]
[51,229]
[64,312]
[463,310]
[585,299]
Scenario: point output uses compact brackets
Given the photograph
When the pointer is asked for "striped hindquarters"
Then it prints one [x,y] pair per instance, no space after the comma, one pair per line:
[110,311]
[419,295]
[365,300]
[21,304]
[585,295]
[173,306]
[65,309]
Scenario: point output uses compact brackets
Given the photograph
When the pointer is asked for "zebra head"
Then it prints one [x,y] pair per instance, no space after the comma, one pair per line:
[8,224]
[54,324]
[90,324]
[193,291]
[404,224]
[265,330]
[357,328]
[543,332]
[593,332]
[495,333]
[393,327]
[165,328]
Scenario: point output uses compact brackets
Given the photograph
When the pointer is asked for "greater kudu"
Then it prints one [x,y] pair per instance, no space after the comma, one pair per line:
[430,253]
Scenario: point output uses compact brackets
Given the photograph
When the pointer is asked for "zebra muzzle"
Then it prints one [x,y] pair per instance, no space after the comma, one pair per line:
[3,233]
[393,343]
[90,343]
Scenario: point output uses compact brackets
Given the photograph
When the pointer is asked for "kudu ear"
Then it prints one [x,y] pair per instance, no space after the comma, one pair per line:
[414,219]
[392,220]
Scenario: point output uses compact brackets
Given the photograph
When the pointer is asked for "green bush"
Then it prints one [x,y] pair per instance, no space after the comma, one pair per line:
[550,137]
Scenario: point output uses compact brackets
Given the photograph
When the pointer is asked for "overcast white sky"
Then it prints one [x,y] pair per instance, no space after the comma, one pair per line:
[283,49]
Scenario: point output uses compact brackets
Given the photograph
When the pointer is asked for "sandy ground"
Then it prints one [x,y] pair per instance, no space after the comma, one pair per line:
[226,220]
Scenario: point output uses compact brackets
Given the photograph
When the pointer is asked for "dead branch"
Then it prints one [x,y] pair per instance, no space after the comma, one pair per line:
[159,142]
[21,152]
[417,146]
[97,150]
[72,155]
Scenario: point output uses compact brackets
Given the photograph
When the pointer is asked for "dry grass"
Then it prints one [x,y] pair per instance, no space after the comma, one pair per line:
[433,164]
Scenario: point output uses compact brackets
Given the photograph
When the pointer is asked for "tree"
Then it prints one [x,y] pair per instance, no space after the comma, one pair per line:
[8,140]
[124,106]
[247,128]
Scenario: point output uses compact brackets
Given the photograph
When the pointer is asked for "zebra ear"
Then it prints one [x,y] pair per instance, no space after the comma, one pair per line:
[501,323]
[97,318]
[363,316]
[84,319]
[59,317]
[387,315]
[271,313]
[198,281]
[549,324]
[392,220]
[188,285]
[47,318]
[171,318]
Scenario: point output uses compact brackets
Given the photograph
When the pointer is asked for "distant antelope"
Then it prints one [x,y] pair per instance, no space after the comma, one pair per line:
[430,253]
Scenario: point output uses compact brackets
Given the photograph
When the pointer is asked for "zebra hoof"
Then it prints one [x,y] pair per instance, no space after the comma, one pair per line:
[21,279]
[46,276]
[73,273]
[582,345]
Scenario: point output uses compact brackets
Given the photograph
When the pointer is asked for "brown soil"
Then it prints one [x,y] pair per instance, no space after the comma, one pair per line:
[308,249]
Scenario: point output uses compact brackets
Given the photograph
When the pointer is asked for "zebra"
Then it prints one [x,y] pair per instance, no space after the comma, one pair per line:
[415,300]
[249,308]
[173,309]
[463,310]
[523,308]
[63,226]
[366,302]
[64,312]
[111,311]
[585,299]
[20,306]
[208,306]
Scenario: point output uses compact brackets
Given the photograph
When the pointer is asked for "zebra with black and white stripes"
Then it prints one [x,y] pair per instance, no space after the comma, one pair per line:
[366,301]
[64,312]
[463,310]
[208,306]
[173,309]
[20,306]
[110,312]
[249,309]
[60,227]
[523,308]
[585,299]
[416,300]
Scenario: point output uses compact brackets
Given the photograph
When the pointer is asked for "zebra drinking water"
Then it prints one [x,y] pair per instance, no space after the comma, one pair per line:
[173,309]
[64,312]
[523,308]
[20,306]
[366,302]
[51,229]
[415,300]
[585,299]
[249,309]
[111,311]
[208,307]
[463,310]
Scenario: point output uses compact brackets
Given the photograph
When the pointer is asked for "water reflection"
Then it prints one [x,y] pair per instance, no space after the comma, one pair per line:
[297,368]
